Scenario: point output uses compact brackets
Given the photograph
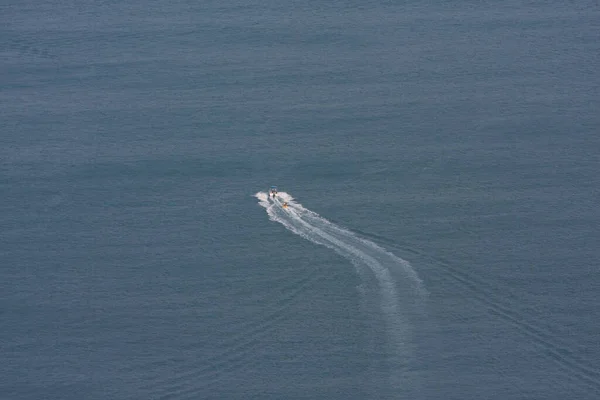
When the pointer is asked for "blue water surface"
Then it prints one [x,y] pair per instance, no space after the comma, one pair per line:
[137,263]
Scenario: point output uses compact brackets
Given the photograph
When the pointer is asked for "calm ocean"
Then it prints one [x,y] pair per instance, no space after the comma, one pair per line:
[441,161]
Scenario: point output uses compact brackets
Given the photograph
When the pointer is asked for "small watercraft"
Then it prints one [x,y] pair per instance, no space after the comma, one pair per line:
[273,191]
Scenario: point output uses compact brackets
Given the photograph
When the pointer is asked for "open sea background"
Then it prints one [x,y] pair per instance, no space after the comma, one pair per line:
[136,261]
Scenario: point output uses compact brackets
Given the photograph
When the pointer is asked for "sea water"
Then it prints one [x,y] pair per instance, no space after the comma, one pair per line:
[441,164]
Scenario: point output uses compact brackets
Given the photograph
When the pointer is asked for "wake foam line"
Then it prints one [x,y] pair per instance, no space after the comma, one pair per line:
[495,299]
[360,252]
[321,231]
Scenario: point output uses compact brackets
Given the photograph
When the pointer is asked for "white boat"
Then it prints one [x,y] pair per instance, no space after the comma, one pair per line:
[273,191]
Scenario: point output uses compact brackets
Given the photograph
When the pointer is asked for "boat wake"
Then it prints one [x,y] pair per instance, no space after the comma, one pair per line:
[369,259]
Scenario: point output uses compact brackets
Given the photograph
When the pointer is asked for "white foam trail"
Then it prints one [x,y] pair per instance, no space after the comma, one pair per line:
[359,251]
[317,229]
